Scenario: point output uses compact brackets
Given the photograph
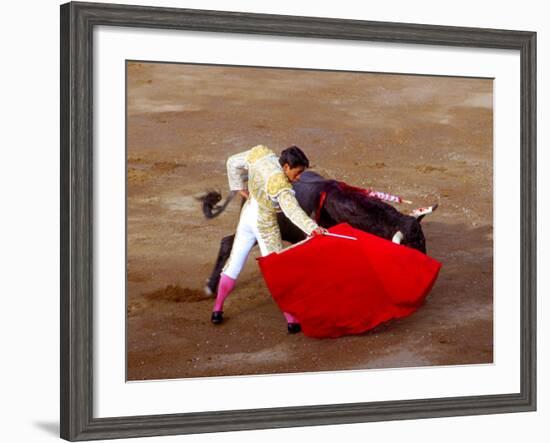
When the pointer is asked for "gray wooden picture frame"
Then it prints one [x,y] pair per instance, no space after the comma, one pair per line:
[77,24]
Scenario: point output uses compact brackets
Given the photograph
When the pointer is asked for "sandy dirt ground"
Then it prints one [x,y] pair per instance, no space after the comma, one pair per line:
[428,139]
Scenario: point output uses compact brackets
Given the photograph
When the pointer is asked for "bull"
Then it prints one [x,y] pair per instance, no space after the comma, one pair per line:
[331,202]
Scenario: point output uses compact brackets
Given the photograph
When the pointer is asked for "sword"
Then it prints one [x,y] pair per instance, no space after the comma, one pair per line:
[330,234]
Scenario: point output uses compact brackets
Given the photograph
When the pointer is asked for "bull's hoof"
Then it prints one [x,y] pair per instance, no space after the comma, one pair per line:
[294,328]
[217,317]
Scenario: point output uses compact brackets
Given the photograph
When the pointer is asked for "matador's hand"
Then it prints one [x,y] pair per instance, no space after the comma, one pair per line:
[319,231]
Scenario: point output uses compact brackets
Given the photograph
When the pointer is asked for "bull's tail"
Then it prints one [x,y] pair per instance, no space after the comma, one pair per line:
[210,200]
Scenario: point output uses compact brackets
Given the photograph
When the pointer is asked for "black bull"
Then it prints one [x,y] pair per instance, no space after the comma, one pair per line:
[341,205]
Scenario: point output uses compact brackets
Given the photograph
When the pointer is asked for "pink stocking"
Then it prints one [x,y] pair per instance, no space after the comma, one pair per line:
[225,287]
[290,318]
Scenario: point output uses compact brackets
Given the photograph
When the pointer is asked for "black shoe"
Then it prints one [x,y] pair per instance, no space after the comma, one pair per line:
[294,328]
[217,317]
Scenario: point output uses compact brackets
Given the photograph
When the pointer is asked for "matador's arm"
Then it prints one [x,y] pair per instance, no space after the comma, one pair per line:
[236,171]
[280,189]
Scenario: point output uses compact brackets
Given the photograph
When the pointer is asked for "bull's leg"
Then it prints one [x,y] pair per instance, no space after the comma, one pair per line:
[223,255]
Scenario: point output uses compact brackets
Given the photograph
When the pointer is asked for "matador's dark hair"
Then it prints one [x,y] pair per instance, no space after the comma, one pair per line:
[294,156]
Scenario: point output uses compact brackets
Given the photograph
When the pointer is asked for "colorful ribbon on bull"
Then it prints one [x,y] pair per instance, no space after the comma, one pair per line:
[371,193]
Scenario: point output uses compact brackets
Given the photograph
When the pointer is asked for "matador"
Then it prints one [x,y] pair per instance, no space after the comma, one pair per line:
[268,190]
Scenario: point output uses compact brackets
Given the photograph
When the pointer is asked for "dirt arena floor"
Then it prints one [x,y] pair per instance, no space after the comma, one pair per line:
[428,139]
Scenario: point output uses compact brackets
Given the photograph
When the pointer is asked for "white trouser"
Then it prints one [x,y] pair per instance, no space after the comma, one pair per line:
[245,238]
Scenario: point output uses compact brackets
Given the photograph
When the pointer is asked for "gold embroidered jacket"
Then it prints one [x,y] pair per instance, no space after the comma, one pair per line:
[269,186]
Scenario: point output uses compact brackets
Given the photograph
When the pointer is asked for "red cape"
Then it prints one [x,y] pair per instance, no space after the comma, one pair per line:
[337,286]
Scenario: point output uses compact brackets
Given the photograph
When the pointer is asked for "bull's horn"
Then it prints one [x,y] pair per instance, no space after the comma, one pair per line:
[397,237]
[419,213]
